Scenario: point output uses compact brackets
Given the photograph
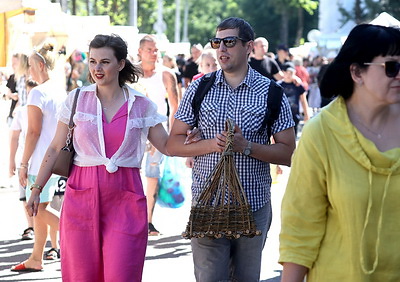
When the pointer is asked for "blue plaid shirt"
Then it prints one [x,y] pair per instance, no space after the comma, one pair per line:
[246,106]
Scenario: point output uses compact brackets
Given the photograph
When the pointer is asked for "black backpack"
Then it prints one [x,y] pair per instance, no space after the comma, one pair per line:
[274,99]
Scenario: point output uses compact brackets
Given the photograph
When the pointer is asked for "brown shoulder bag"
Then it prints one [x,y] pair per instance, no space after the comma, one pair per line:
[65,157]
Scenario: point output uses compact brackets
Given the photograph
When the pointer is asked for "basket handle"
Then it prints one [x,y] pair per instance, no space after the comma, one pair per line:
[230,128]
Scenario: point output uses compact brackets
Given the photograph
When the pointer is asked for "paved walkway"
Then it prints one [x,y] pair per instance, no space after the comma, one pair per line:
[168,256]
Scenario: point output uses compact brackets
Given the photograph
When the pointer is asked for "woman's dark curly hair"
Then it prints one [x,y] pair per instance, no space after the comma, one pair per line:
[364,43]
[130,72]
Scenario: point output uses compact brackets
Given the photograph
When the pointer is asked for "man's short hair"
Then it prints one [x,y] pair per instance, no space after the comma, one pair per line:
[246,32]
[147,38]
[261,39]
[198,46]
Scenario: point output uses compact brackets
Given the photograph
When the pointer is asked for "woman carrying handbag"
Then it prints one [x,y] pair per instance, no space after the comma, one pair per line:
[104,209]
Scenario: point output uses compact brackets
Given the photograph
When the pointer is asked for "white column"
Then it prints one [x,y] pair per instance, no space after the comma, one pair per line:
[185,22]
[133,13]
[159,26]
[177,21]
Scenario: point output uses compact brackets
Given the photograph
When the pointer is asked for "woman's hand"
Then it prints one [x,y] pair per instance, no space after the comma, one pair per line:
[193,136]
[12,168]
[220,141]
[23,176]
[189,162]
[32,206]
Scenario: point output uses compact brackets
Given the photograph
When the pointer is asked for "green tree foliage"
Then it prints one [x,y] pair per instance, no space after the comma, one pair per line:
[147,15]
[206,15]
[118,10]
[277,20]
[392,7]
[264,15]
[291,22]
[264,19]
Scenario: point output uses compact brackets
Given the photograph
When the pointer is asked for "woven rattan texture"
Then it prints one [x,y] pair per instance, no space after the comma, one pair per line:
[222,209]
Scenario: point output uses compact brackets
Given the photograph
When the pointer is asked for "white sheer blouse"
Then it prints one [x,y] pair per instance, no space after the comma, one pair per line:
[88,138]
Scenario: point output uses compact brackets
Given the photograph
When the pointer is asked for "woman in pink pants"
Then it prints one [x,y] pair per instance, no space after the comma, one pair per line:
[103,219]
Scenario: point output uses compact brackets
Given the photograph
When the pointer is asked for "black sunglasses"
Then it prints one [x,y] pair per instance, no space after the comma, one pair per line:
[391,67]
[229,41]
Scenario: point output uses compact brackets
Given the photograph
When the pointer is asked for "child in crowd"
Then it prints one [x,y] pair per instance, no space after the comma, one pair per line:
[295,93]
[207,63]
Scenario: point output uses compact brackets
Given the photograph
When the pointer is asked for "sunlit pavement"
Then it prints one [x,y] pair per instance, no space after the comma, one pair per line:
[168,256]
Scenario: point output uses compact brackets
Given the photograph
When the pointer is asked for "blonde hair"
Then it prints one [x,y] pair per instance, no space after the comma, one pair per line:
[206,53]
[171,59]
[46,55]
[147,38]
[23,66]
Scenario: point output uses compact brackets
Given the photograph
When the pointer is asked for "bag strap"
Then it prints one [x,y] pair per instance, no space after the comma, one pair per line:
[205,84]
[71,125]
[71,121]
[275,93]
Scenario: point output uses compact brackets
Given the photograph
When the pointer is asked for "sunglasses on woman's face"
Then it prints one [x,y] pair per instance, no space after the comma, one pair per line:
[229,41]
[391,67]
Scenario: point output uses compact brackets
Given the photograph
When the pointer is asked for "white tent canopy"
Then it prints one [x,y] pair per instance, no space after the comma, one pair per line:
[385,19]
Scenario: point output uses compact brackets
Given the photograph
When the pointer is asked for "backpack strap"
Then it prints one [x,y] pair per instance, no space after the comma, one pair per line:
[205,84]
[275,93]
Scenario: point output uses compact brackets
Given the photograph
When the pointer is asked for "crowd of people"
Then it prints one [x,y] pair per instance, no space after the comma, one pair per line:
[338,211]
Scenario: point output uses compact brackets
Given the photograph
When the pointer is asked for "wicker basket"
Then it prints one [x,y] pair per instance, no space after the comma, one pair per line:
[222,209]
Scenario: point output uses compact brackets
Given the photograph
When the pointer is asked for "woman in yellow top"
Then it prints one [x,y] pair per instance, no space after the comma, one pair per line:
[340,212]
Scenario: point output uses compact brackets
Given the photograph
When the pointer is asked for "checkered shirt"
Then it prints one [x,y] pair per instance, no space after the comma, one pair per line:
[246,106]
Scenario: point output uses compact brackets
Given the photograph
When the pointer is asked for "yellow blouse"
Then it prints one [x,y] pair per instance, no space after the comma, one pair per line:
[341,209]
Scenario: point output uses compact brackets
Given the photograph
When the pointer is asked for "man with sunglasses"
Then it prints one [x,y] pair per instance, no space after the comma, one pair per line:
[239,93]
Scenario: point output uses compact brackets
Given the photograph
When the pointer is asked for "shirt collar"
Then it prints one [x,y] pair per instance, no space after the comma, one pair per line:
[248,79]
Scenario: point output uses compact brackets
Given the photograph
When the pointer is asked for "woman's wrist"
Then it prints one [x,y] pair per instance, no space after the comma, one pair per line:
[24,165]
[37,186]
